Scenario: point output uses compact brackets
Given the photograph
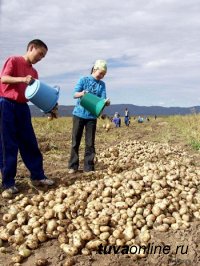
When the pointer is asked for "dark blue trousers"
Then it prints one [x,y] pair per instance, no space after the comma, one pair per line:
[126,120]
[90,129]
[17,134]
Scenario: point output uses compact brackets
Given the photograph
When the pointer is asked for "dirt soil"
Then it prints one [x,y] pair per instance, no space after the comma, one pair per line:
[183,245]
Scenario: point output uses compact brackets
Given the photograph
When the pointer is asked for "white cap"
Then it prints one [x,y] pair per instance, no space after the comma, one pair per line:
[100,64]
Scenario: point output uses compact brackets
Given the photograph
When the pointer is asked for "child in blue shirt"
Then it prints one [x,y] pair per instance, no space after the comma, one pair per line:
[84,119]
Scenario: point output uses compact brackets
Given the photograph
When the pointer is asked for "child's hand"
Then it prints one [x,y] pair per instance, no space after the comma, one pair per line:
[54,112]
[84,92]
[28,79]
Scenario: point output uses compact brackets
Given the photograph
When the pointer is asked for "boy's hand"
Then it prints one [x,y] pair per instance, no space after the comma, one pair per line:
[28,79]
[54,112]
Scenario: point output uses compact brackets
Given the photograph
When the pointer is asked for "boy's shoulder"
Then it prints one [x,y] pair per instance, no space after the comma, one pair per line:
[15,57]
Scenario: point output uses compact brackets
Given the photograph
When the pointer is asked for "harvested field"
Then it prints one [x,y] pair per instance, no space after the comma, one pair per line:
[144,194]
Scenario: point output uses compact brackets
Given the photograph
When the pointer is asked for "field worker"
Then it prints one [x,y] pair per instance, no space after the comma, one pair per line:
[116,121]
[16,128]
[126,117]
[84,119]
[140,119]
[126,113]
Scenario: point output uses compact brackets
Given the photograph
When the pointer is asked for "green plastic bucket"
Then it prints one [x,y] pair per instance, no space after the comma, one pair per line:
[93,104]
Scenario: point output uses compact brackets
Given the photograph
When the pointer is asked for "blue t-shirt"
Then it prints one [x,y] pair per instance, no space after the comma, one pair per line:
[91,85]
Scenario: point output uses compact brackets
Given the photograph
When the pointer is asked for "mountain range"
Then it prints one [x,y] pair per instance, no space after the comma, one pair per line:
[134,110]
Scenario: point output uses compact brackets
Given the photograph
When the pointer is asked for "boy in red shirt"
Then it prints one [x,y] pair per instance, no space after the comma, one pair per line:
[16,130]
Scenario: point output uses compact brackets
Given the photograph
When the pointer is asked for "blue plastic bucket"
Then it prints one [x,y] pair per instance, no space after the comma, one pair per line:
[42,95]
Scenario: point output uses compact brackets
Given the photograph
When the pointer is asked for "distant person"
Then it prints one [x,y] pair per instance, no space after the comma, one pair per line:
[117,121]
[126,117]
[140,119]
[116,114]
[16,128]
[126,112]
[155,117]
[84,119]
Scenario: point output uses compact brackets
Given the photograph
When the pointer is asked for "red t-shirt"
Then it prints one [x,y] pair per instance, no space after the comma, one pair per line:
[16,66]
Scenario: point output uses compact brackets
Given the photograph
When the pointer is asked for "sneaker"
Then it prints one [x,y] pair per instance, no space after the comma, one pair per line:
[72,171]
[45,181]
[12,190]
[48,182]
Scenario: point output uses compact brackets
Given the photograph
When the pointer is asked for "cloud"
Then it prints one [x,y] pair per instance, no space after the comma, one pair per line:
[152,47]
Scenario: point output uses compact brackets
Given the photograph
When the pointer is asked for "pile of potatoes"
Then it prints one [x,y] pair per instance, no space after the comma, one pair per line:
[120,208]
[128,155]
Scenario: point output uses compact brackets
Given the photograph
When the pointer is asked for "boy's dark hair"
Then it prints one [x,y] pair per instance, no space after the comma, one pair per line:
[37,43]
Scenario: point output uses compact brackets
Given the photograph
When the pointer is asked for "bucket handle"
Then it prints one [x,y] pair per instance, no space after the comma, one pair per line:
[32,81]
[57,88]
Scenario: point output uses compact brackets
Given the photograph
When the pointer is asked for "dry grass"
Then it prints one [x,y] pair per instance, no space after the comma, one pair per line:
[164,129]
[189,126]
[54,138]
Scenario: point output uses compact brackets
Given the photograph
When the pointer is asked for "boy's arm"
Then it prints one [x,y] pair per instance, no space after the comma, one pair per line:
[14,80]
[7,74]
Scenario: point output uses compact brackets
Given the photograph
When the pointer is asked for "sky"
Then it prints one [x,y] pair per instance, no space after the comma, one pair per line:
[152,47]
